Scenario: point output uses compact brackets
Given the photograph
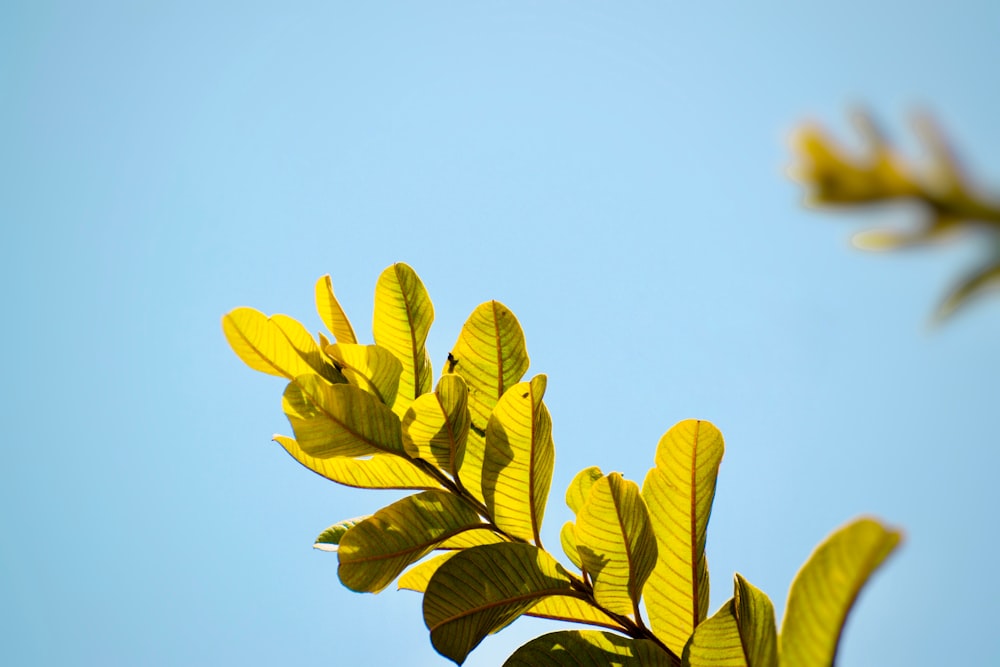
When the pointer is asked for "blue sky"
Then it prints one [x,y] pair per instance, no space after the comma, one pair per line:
[614,173]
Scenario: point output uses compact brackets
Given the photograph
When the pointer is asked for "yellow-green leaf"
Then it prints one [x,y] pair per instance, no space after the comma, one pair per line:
[574,610]
[472,538]
[482,589]
[369,367]
[825,589]
[339,419]
[436,426]
[579,488]
[330,538]
[741,634]
[331,313]
[276,345]
[402,319]
[679,492]
[418,576]
[378,471]
[572,648]
[567,538]
[519,458]
[490,354]
[375,551]
[616,543]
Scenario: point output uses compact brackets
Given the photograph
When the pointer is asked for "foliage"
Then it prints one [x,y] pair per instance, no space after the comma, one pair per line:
[476,449]
[947,200]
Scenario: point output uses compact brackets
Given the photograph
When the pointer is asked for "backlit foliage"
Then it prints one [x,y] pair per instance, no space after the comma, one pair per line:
[947,200]
[475,447]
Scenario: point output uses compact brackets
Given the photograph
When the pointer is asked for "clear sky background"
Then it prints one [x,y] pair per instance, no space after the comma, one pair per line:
[613,172]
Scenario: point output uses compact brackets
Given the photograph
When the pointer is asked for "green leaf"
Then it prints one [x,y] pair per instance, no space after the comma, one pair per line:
[339,419]
[616,543]
[490,355]
[824,591]
[573,648]
[375,551]
[741,634]
[402,319]
[378,471]
[579,488]
[518,462]
[679,493]
[482,589]
[369,367]
[330,538]
[473,538]
[276,345]
[436,427]
[331,313]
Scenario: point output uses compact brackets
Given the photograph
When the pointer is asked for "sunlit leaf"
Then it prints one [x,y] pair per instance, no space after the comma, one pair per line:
[741,634]
[490,355]
[575,610]
[436,426]
[519,458]
[339,419]
[679,493]
[592,648]
[378,471]
[472,538]
[825,589]
[375,551]
[484,588]
[330,538]
[418,576]
[369,367]
[616,542]
[567,538]
[276,345]
[402,319]
[579,488]
[331,312]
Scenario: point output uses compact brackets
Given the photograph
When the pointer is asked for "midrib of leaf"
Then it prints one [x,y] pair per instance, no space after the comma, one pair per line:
[531,464]
[506,602]
[499,346]
[693,514]
[343,424]
[239,331]
[628,552]
[412,333]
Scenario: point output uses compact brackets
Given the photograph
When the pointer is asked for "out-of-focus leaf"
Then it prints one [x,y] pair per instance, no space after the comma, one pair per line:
[375,551]
[679,493]
[616,543]
[436,426]
[378,471]
[575,610]
[369,367]
[402,319]
[490,355]
[330,538]
[482,589]
[332,314]
[340,420]
[825,589]
[520,455]
[741,634]
[276,345]
[970,286]
[573,648]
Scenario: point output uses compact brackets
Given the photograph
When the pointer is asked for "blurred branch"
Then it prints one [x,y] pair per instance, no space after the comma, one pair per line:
[879,176]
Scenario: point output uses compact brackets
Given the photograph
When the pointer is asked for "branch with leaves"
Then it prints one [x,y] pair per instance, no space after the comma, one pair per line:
[477,451]
[948,201]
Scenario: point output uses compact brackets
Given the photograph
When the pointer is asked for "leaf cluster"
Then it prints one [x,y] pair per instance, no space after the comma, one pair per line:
[476,450]
[944,195]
